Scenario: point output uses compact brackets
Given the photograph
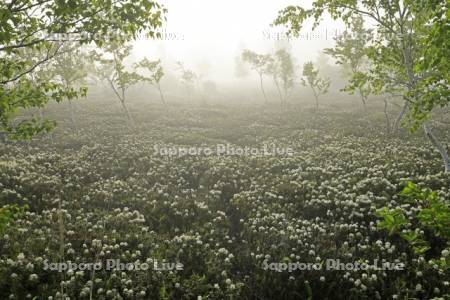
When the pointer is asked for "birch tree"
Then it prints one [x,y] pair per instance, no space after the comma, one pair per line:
[112,70]
[311,78]
[350,52]
[261,64]
[188,77]
[154,74]
[410,39]
[282,70]
[71,67]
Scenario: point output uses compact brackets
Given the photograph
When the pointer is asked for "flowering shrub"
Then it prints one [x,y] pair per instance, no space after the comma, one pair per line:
[102,193]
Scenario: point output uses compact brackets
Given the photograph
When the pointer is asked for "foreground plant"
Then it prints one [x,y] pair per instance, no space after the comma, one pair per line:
[8,213]
[428,229]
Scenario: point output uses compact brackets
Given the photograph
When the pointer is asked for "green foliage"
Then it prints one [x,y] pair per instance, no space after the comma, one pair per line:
[311,78]
[433,216]
[409,51]
[433,66]
[111,68]
[308,291]
[293,18]
[350,52]
[261,63]
[26,129]
[34,89]
[9,213]
[71,66]
[154,74]
[393,220]
[282,69]
[33,34]
[154,68]
[187,75]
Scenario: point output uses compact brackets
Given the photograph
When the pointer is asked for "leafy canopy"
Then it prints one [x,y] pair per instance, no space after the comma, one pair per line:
[188,76]
[111,68]
[350,52]
[154,69]
[282,70]
[261,63]
[409,49]
[430,226]
[311,78]
[41,27]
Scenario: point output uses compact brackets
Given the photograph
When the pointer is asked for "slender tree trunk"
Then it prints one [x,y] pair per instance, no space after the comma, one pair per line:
[316,97]
[400,116]
[363,98]
[388,121]
[409,62]
[262,88]
[161,94]
[72,115]
[127,112]
[41,113]
[129,117]
[279,91]
[51,137]
[438,145]
[122,102]
[3,137]
[286,96]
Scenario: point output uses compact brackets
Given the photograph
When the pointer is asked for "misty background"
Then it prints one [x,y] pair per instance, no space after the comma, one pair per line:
[209,37]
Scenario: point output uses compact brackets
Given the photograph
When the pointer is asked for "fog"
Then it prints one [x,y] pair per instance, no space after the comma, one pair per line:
[209,35]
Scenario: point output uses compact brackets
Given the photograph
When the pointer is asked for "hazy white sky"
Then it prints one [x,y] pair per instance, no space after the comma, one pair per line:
[208,34]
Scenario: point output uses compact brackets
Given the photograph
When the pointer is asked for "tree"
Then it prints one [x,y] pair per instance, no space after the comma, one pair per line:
[71,69]
[210,87]
[311,78]
[261,63]
[188,77]
[42,26]
[33,89]
[113,71]
[156,72]
[240,68]
[282,69]
[350,52]
[410,49]
[40,74]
